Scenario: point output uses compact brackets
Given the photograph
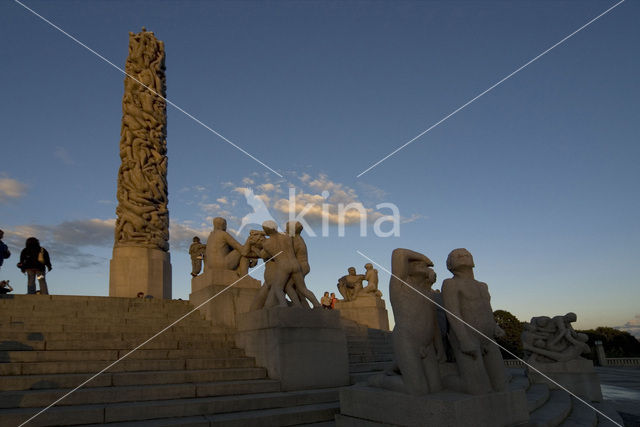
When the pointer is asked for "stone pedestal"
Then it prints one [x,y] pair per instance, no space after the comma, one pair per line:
[135,269]
[368,406]
[578,376]
[303,348]
[223,309]
[366,309]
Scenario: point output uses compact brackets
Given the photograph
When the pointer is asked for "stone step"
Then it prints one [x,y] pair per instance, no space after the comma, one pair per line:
[117,394]
[553,412]
[162,342]
[537,395]
[126,365]
[519,382]
[132,334]
[69,355]
[297,415]
[369,367]
[92,317]
[581,415]
[360,377]
[610,412]
[48,381]
[158,409]
[366,358]
[182,327]
[312,415]
[65,308]
[158,343]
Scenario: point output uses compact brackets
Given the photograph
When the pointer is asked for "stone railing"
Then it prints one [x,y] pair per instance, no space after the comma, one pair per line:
[513,363]
[624,361]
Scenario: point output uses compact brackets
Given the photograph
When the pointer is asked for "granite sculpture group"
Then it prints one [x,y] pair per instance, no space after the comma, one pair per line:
[447,367]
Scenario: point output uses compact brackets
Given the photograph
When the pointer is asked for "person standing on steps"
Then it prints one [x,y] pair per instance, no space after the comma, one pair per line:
[4,250]
[34,260]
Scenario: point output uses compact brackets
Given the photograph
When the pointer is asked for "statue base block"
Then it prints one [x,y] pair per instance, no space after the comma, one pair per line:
[577,376]
[135,269]
[303,348]
[368,310]
[223,309]
[368,406]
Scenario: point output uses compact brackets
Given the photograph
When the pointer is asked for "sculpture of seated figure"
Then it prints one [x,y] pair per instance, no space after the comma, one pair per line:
[224,254]
[480,364]
[371,276]
[553,340]
[281,266]
[417,343]
[350,285]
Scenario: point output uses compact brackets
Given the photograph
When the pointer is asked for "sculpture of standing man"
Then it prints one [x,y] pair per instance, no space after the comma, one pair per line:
[196,252]
[479,361]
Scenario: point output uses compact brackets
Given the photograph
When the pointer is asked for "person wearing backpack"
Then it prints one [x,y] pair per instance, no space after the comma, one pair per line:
[33,260]
[4,250]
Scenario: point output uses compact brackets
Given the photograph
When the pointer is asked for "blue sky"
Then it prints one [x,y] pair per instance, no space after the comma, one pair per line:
[538,178]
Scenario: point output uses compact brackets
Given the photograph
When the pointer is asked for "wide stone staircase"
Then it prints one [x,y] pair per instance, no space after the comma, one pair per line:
[192,374]
[549,408]
[370,350]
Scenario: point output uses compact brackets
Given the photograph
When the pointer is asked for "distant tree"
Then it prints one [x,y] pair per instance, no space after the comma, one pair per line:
[616,343]
[513,328]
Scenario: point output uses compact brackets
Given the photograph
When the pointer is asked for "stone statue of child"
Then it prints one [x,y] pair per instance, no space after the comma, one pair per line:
[479,361]
[371,276]
[196,252]
[417,343]
[350,285]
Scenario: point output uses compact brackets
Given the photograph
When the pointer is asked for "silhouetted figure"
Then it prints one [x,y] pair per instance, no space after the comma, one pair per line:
[5,287]
[33,260]
[4,250]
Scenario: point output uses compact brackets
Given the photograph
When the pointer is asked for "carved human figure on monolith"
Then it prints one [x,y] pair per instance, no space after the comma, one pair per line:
[480,364]
[550,340]
[281,266]
[417,345]
[350,285]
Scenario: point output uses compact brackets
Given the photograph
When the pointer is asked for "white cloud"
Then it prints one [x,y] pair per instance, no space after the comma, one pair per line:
[67,242]
[222,200]
[63,155]
[632,326]
[11,189]
[182,234]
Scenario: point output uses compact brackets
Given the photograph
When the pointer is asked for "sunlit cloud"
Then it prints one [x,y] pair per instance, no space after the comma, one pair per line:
[632,326]
[11,189]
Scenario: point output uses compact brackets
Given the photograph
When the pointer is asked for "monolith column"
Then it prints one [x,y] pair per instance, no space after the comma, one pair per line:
[141,261]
